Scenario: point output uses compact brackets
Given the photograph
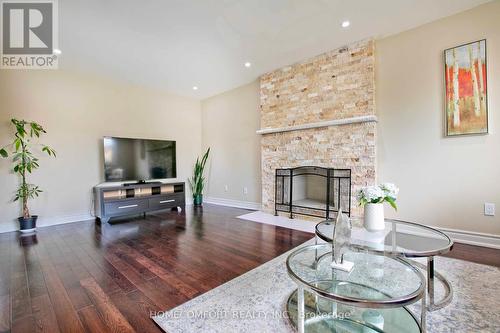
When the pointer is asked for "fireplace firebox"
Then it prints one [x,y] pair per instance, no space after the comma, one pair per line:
[313,191]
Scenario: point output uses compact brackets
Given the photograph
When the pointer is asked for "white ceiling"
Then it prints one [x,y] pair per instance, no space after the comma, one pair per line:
[175,45]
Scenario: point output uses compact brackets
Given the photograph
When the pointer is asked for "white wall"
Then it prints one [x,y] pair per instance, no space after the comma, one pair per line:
[77,110]
[229,124]
[444,181]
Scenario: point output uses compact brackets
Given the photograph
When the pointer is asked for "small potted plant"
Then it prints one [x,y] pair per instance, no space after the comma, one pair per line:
[25,162]
[373,198]
[197,182]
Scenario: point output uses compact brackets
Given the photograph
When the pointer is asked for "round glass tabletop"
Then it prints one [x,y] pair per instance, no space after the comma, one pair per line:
[374,281]
[399,238]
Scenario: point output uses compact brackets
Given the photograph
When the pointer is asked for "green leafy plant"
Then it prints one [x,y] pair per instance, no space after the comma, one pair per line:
[24,160]
[197,182]
[386,192]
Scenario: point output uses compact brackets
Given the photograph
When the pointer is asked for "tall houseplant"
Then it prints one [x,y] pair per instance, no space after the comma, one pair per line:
[24,163]
[197,182]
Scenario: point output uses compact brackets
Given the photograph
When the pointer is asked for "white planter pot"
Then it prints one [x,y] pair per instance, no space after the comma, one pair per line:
[374,217]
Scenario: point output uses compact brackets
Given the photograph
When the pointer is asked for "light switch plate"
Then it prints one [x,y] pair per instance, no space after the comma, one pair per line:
[489,209]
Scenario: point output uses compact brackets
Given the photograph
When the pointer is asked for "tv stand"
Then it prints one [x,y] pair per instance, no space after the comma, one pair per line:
[137,198]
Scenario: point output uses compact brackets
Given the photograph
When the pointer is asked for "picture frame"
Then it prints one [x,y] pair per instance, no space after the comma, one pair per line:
[466,89]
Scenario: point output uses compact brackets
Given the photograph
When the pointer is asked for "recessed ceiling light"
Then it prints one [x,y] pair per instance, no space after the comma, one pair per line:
[195,88]
[57,51]
[345,24]
[247,64]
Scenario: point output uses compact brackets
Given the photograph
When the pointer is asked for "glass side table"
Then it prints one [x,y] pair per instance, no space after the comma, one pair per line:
[401,239]
[371,298]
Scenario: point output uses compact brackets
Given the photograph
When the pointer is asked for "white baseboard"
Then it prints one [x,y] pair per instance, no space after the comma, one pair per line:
[233,203]
[459,236]
[473,238]
[49,221]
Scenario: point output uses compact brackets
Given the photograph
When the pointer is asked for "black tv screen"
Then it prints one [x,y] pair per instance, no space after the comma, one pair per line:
[128,159]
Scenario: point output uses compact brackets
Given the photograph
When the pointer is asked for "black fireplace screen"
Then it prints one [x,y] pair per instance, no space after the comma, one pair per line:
[313,191]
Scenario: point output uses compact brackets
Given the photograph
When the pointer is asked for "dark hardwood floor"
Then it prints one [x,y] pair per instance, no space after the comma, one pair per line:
[108,278]
[477,254]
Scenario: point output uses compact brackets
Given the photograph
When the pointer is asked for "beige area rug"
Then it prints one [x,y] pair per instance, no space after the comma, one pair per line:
[255,302]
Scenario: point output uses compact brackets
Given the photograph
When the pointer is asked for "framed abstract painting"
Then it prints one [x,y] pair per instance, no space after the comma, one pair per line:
[466,89]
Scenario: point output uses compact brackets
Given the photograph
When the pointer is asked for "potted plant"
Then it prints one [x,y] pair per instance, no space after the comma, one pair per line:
[24,163]
[373,198]
[197,182]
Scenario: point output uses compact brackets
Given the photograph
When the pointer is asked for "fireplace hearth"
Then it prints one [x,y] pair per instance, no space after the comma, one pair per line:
[313,191]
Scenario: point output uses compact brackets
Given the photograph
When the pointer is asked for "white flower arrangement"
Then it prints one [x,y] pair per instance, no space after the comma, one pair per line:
[387,192]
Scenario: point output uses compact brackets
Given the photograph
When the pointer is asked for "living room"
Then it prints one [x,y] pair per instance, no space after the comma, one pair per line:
[207,166]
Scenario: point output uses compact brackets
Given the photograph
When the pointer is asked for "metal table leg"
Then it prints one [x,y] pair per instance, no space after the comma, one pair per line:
[300,309]
[423,314]
[316,250]
[432,274]
[430,279]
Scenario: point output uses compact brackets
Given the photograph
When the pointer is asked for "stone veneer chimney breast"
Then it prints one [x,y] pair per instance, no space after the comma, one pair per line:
[321,112]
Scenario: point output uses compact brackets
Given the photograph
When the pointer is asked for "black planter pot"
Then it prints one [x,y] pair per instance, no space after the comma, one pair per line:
[27,225]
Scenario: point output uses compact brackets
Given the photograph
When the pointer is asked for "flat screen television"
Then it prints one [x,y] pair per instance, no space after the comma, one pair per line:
[127,159]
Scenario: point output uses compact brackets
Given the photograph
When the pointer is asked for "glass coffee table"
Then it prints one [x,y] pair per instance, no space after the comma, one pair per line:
[401,239]
[371,298]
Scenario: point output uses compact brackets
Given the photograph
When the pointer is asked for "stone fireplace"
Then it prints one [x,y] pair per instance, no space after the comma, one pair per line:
[320,112]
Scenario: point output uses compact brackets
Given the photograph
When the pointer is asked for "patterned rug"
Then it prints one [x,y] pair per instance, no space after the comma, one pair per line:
[255,302]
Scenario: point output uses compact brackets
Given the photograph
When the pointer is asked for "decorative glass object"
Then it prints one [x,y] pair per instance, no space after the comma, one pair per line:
[341,242]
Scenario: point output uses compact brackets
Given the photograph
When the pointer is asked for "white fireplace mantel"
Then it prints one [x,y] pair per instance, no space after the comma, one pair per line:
[326,123]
